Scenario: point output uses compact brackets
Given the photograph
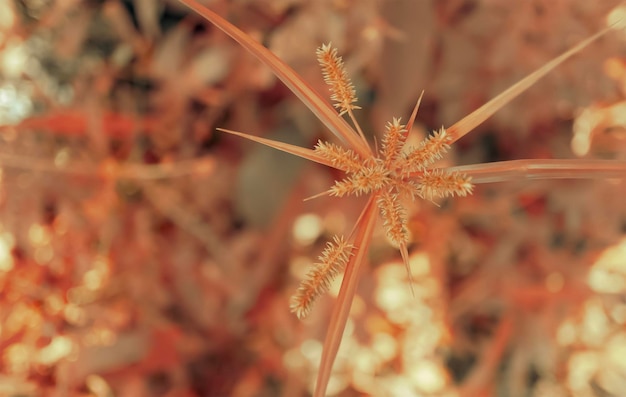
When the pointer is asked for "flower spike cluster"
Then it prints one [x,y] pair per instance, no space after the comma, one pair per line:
[391,176]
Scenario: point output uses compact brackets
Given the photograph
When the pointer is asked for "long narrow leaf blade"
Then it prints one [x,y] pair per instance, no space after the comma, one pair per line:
[507,171]
[322,110]
[304,153]
[471,121]
[341,310]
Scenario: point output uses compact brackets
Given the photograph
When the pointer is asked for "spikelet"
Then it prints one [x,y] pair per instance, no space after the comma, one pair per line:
[332,261]
[393,141]
[438,183]
[336,76]
[429,150]
[394,217]
[344,159]
[371,177]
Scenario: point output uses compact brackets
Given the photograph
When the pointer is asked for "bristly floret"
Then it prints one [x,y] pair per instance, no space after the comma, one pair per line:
[393,141]
[394,217]
[371,177]
[344,159]
[429,150]
[317,281]
[439,183]
[336,76]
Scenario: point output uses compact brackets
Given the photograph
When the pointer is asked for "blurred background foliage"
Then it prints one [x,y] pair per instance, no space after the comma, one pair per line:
[144,254]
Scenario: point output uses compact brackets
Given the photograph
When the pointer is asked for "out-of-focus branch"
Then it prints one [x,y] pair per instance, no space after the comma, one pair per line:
[484,371]
[201,166]
[166,201]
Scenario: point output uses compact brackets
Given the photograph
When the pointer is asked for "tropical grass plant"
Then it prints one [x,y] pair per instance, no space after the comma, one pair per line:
[393,176]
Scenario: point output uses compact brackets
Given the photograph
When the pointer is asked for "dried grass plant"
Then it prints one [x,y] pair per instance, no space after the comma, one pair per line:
[393,175]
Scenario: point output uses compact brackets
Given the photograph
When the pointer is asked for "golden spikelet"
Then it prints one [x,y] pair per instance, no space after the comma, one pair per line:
[438,183]
[372,176]
[341,158]
[317,281]
[429,150]
[393,141]
[336,76]
[395,218]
